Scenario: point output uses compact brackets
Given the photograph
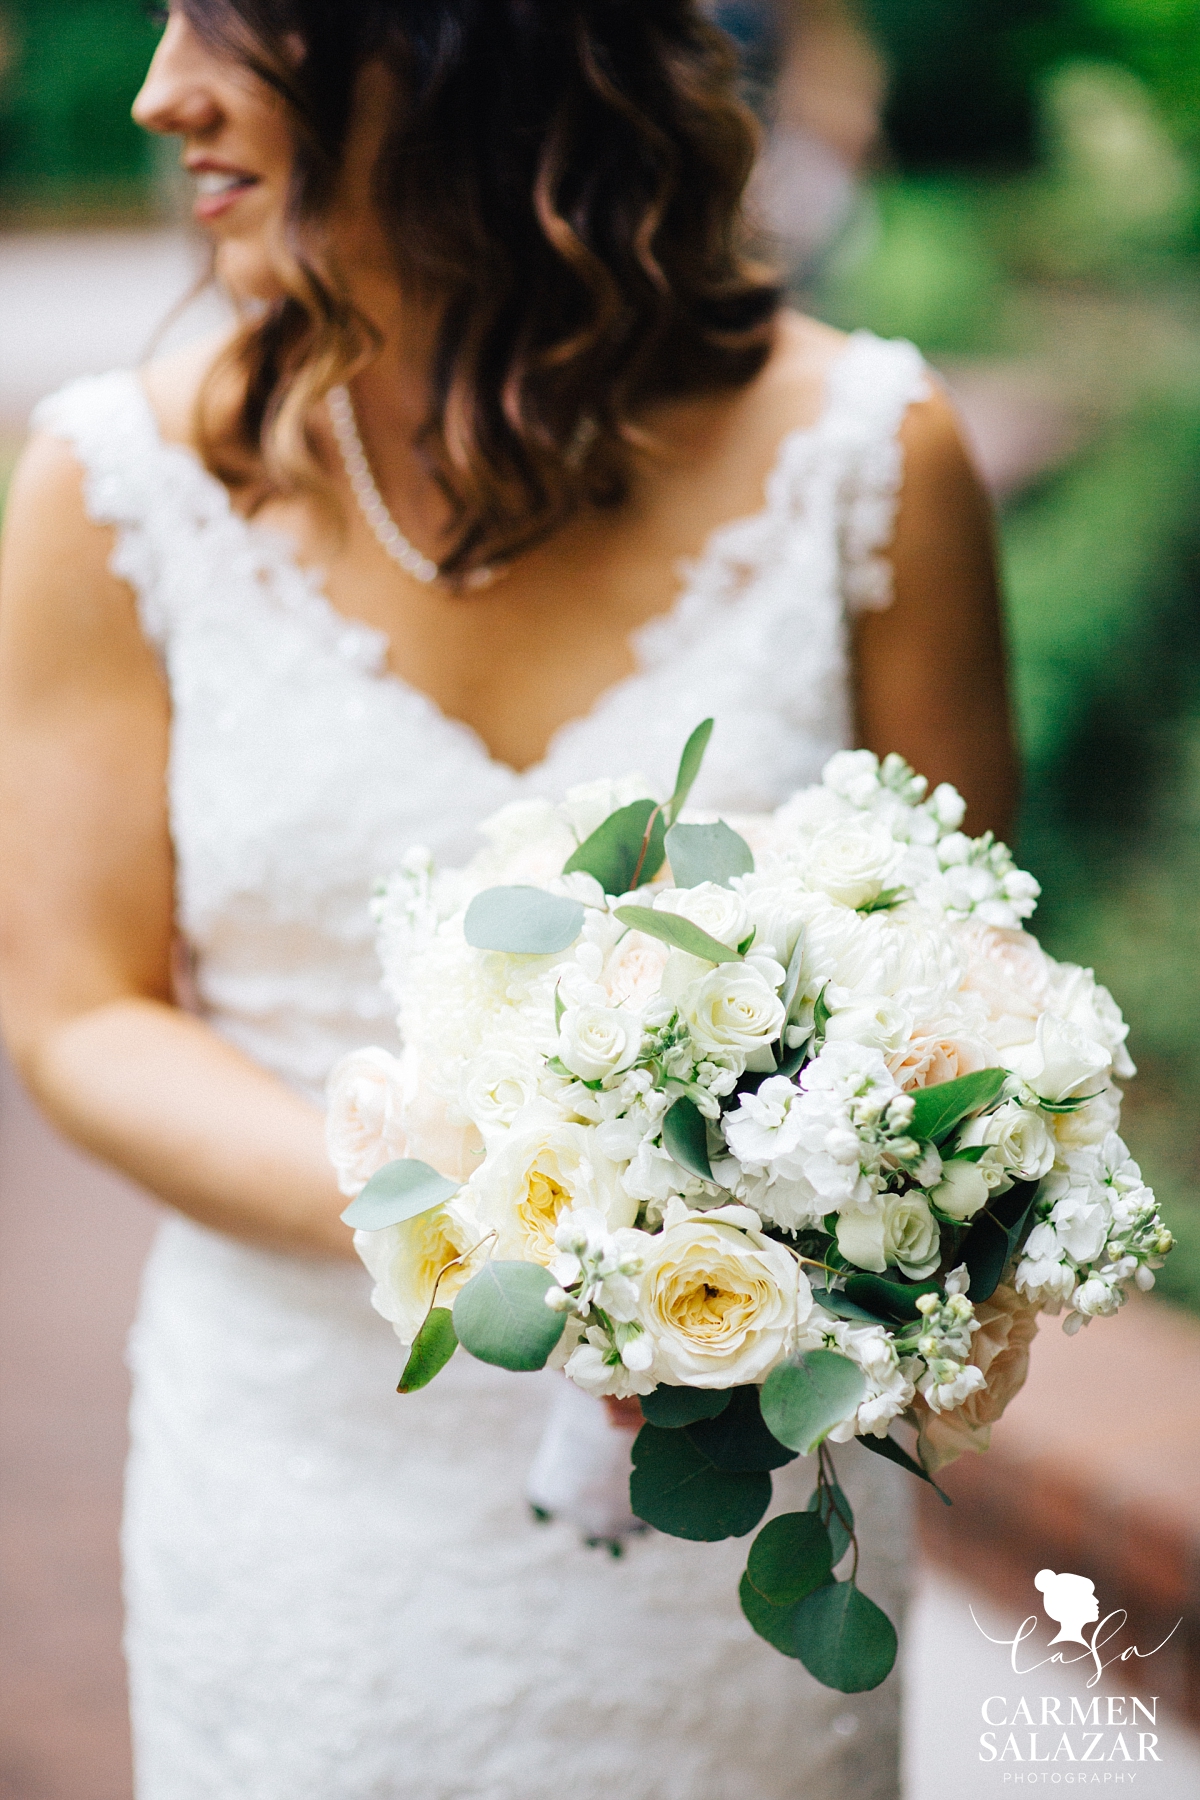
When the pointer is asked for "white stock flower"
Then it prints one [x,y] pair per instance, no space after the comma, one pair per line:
[1080,1225]
[731,1008]
[721,1303]
[852,861]
[598,1370]
[533,1177]
[852,775]
[595,1042]
[364,1122]
[406,1261]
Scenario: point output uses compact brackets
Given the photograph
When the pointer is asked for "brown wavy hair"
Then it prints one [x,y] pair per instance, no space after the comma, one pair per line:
[565,176]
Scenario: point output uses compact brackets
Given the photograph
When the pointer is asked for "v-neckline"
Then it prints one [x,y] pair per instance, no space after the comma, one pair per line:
[371,642]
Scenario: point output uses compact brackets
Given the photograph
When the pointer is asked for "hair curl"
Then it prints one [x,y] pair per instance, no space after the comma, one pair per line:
[565,176]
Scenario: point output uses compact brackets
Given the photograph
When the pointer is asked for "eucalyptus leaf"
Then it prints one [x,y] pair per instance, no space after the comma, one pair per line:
[680,933]
[792,1061]
[671,1408]
[791,985]
[937,1110]
[791,1556]
[842,1307]
[501,1316]
[699,853]
[833,1509]
[523,921]
[689,768]
[432,1349]
[802,1402]
[399,1191]
[614,851]
[844,1639]
[777,1624]
[889,1448]
[679,1490]
[685,1135]
[737,1439]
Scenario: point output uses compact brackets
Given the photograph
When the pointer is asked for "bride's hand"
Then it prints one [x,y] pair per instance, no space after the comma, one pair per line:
[627,1415]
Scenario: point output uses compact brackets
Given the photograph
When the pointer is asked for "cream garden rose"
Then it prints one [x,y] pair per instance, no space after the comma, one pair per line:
[407,1260]
[533,1177]
[364,1120]
[720,1302]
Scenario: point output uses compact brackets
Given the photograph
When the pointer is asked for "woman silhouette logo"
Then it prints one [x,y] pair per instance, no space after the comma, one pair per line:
[1070,1600]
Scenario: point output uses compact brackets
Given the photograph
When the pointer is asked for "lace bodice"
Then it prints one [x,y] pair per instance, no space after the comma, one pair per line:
[301,770]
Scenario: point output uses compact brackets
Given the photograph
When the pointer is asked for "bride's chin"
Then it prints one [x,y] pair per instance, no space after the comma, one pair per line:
[244,268]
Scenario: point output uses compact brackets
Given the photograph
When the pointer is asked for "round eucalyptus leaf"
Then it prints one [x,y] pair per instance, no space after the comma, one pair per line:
[737,1439]
[675,1488]
[844,1639]
[523,921]
[802,1402]
[707,853]
[501,1316]
[670,1408]
[625,850]
[790,1557]
[400,1190]
[775,1623]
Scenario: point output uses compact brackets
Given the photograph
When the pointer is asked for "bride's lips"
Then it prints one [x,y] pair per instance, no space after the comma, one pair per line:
[219,186]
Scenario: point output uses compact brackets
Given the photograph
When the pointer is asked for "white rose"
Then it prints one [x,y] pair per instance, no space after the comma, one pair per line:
[1018,1143]
[406,1261]
[962,1190]
[497,1085]
[872,1019]
[1076,995]
[364,1123]
[720,1302]
[853,861]
[717,910]
[597,1041]
[536,1176]
[1061,1062]
[731,1008]
[911,1238]
[860,1238]
[587,805]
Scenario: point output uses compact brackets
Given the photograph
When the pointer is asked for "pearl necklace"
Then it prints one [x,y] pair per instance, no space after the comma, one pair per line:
[387,533]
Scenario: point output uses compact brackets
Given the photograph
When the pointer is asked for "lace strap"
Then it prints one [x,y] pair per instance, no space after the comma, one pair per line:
[871,390]
[131,480]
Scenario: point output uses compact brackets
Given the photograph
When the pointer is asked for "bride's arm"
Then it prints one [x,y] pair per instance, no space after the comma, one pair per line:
[86,884]
[931,668]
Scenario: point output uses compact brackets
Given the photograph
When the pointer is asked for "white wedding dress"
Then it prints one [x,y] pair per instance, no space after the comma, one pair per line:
[335,1593]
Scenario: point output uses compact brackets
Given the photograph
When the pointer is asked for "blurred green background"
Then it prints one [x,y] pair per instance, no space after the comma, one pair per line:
[1033,219]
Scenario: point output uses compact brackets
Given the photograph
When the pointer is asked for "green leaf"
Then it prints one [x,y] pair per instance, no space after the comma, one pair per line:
[689,768]
[793,1060]
[790,1557]
[821,1014]
[501,1315]
[707,853]
[680,933]
[523,921]
[802,1402]
[685,1135]
[838,1519]
[844,1639]
[677,1489]
[432,1349]
[400,1190]
[886,900]
[614,850]
[895,1301]
[994,1237]
[791,984]
[889,1448]
[842,1307]
[670,1408]
[775,1623]
[937,1110]
[737,1439]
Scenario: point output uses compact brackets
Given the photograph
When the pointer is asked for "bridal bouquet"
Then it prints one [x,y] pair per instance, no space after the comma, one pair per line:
[790,1130]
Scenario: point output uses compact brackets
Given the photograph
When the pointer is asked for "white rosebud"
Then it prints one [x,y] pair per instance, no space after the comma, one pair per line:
[717,910]
[911,1238]
[731,1008]
[598,1041]
[962,1190]
[852,861]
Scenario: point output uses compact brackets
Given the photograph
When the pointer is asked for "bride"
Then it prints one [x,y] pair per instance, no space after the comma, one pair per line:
[512,470]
